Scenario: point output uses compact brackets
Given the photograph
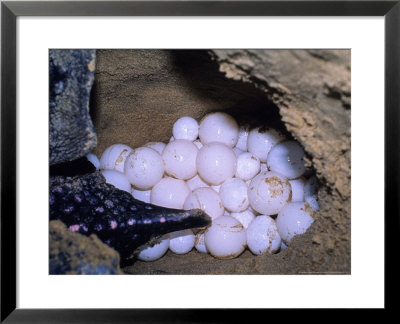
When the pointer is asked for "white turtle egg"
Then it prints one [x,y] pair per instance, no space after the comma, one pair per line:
[144,167]
[294,219]
[225,238]
[181,242]
[142,195]
[310,192]
[152,253]
[158,146]
[170,193]
[260,143]
[287,158]
[196,182]
[207,200]
[263,236]
[297,186]
[94,160]
[117,179]
[215,163]
[199,243]
[242,139]
[198,144]
[233,195]
[114,156]
[248,165]
[245,217]
[269,192]
[237,151]
[179,159]
[219,127]
[186,128]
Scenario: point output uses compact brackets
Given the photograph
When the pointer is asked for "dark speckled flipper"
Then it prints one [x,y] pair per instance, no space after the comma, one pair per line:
[88,205]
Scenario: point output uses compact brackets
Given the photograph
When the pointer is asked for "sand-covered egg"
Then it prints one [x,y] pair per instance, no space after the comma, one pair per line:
[179,159]
[233,195]
[216,163]
[170,193]
[144,167]
[263,236]
[225,238]
[294,219]
[219,127]
[207,200]
[117,179]
[155,251]
[181,242]
[186,128]
[248,166]
[269,192]
[287,158]
[114,156]
[261,142]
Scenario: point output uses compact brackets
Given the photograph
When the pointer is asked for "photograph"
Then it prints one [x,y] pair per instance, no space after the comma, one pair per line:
[231,161]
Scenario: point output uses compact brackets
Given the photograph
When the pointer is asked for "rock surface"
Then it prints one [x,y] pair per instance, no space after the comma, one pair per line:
[139,94]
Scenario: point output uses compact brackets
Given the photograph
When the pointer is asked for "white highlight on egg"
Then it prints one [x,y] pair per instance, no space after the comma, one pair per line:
[207,200]
[260,143]
[263,236]
[114,156]
[186,128]
[287,158]
[225,238]
[248,165]
[170,193]
[117,179]
[297,186]
[233,195]
[294,219]
[144,167]
[94,160]
[142,195]
[269,192]
[152,253]
[179,159]
[158,146]
[219,127]
[245,217]
[181,242]
[216,163]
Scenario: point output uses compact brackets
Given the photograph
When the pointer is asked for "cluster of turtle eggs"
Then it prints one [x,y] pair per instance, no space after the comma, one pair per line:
[250,182]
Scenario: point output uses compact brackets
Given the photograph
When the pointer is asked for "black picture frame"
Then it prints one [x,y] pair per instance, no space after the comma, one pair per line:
[10,10]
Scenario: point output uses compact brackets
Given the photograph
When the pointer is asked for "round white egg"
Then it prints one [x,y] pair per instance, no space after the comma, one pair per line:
[117,179]
[287,158]
[248,166]
[144,167]
[170,193]
[179,159]
[196,182]
[216,163]
[263,236]
[207,200]
[142,195]
[294,219]
[225,238]
[233,195]
[245,217]
[219,127]
[186,128]
[158,146]
[297,186]
[269,192]
[181,242]
[200,243]
[260,143]
[154,252]
[242,139]
[94,160]
[114,156]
